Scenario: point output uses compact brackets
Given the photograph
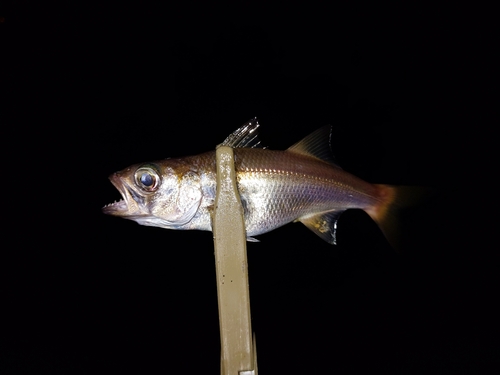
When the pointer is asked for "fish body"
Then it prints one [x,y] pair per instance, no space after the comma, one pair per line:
[302,183]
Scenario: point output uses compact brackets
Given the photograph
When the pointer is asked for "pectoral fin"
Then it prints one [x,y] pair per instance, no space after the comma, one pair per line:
[323,224]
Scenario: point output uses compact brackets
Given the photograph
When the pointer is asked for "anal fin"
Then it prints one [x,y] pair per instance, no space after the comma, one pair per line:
[323,224]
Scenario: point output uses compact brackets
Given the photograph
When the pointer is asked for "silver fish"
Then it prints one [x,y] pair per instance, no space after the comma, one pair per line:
[302,183]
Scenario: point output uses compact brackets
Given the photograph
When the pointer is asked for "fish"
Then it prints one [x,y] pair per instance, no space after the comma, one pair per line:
[303,184]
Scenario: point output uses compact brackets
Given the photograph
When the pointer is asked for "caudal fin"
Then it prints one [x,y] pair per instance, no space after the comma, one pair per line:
[391,200]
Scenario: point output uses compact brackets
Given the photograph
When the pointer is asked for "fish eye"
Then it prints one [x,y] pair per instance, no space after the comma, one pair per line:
[147,179]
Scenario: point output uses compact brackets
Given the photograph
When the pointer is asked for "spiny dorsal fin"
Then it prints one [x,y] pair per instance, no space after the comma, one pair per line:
[323,224]
[316,144]
[246,135]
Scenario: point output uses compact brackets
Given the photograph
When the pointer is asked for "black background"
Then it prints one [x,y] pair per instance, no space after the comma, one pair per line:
[90,88]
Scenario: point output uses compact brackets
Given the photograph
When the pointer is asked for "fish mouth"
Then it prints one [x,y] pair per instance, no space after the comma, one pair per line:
[126,206]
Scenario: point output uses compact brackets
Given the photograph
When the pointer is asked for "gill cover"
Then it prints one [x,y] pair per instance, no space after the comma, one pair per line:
[189,198]
[176,200]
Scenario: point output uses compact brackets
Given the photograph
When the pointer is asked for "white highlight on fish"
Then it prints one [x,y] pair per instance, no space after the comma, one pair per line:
[302,183]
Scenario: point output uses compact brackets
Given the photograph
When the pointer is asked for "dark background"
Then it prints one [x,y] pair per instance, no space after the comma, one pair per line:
[90,88]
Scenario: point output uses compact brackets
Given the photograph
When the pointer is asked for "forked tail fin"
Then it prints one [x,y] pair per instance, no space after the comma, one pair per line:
[391,200]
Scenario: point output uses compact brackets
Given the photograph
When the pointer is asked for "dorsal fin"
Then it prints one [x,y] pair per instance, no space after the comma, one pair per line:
[246,135]
[316,144]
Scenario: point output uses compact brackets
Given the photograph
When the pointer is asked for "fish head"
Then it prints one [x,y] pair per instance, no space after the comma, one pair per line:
[155,194]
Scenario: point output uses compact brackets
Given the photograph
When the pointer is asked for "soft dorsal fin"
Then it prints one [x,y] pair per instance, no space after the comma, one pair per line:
[246,135]
[316,144]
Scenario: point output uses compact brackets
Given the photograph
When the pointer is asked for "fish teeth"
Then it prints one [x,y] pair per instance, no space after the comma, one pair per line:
[112,204]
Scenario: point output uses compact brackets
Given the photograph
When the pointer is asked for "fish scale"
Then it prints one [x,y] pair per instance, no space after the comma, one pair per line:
[302,183]
[295,186]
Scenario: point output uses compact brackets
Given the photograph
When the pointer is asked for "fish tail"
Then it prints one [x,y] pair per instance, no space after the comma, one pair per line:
[391,200]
